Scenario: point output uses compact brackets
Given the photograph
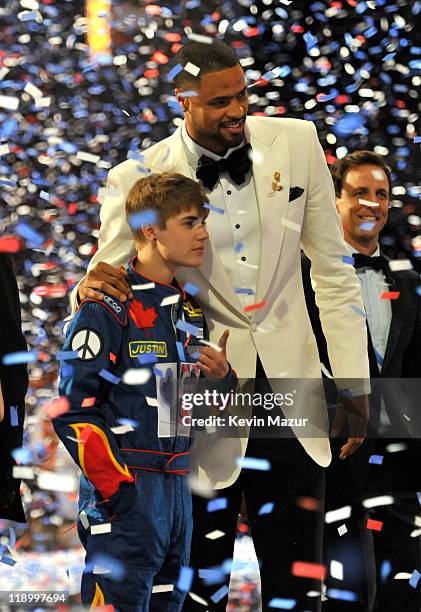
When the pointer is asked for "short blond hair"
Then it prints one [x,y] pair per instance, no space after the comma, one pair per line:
[167,194]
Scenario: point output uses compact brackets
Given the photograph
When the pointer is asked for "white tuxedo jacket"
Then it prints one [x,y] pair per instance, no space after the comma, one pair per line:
[280,332]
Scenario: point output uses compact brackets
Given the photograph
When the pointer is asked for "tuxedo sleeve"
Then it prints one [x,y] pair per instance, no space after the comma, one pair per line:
[337,290]
[85,381]
[115,242]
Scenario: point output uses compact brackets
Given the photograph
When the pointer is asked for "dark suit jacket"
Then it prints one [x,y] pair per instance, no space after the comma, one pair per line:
[402,360]
[14,382]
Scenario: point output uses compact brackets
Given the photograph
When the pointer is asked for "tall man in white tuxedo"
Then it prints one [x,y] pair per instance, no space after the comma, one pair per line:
[272,205]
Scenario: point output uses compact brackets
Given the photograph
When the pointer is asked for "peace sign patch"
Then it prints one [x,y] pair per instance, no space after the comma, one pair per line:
[87,343]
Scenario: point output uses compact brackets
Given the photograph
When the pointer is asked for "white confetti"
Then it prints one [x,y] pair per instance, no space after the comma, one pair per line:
[43,102]
[367,202]
[396,265]
[212,345]
[380,500]
[200,38]
[88,157]
[192,69]
[198,599]
[84,519]
[415,534]
[136,376]
[143,287]
[4,149]
[24,472]
[33,91]
[342,530]
[3,72]
[162,588]
[99,569]
[340,514]
[51,481]
[9,102]
[103,528]
[396,447]
[293,226]
[337,570]
[151,401]
[214,535]
[122,429]
[402,576]
[170,299]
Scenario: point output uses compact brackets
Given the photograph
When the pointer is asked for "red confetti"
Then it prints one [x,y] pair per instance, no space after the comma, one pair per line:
[390,295]
[88,402]
[159,57]
[51,291]
[153,73]
[374,525]
[261,304]
[113,357]
[308,570]
[309,503]
[57,407]
[250,32]
[10,244]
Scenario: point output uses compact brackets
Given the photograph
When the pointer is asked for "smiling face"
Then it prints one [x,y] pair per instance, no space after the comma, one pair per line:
[182,241]
[363,223]
[215,118]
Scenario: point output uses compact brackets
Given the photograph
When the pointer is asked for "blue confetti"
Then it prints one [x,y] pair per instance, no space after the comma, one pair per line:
[174,71]
[192,289]
[342,595]
[180,351]
[22,455]
[7,183]
[280,603]
[195,356]
[44,195]
[19,357]
[150,358]
[136,156]
[220,211]
[188,328]
[244,290]
[239,247]
[348,124]
[220,593]
[14,416]
[129,422]
[158,372]
[147,217]
[185,579]
[29,234]
[367,226]
[348,259]
[310,40]
[417,139]
[359,312]
[212,575]
[106,375]
[376,459]
[188,94]
[28,16]
[379,358]
[63,355]
[266,508]
[253,463]
[385,570]
[419,498]
[8,561]
[415,578]
[220,503]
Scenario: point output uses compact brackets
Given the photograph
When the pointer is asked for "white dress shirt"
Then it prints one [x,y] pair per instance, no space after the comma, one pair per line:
[236,233]
[378,311]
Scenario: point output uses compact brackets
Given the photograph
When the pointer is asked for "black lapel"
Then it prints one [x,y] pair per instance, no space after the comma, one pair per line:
[374,366]
[398,312]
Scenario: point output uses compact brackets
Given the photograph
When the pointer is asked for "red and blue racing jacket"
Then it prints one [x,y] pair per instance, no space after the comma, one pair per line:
[121,374]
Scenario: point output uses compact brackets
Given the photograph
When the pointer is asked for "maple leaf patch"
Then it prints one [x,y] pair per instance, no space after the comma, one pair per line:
[143,317]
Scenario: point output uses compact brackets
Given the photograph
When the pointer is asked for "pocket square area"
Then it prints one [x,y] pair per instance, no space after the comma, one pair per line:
[295,192]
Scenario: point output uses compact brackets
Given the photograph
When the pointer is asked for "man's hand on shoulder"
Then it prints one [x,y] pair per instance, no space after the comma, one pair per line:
[107,279]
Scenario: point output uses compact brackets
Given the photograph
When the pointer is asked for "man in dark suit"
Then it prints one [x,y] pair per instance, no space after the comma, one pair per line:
[388,465]
[14,383]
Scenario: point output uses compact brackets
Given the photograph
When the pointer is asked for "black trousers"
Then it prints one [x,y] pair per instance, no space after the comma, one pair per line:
[290,532]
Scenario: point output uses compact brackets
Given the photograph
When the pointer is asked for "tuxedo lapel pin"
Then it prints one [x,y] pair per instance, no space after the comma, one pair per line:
[276,183]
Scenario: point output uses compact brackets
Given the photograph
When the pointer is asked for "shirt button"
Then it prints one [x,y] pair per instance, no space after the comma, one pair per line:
[237,226]
[229,192]
[253,327]
[243,258]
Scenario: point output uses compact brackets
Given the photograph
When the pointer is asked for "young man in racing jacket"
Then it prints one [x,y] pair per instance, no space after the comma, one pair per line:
[122,427]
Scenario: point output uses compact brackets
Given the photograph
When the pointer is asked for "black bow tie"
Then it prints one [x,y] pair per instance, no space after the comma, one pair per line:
[375,263]
[237,165]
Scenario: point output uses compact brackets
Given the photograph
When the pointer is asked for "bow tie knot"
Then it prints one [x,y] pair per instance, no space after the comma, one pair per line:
[379,262]
[237,164]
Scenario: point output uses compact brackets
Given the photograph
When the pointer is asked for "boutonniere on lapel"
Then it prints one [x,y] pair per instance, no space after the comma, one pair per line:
[276,183]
